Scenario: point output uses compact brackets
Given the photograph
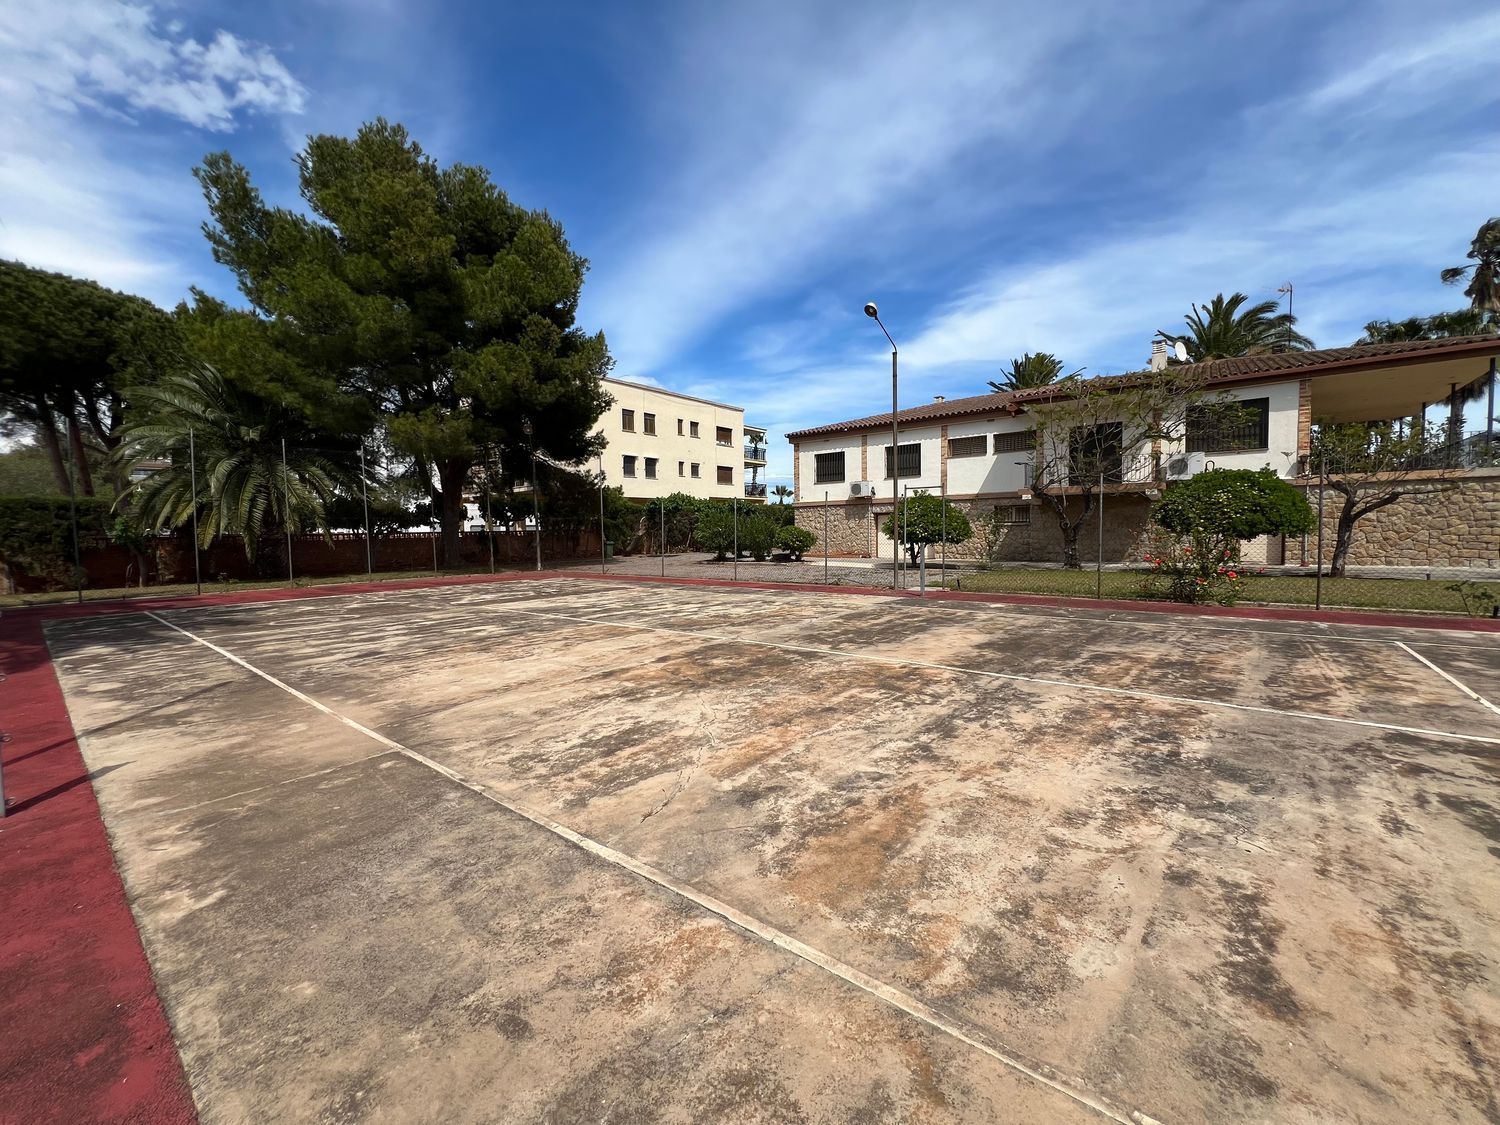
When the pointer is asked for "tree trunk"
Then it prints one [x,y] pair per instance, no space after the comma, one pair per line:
[1343,538]
[452,474]
[48,431]
[85,477]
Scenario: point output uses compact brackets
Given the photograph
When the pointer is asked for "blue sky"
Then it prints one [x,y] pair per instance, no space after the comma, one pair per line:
[1000,177]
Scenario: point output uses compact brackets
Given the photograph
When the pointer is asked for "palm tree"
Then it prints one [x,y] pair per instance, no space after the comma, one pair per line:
[1031,371]
[244,487]
[782,493]
[1483,289]
[1219,330]
[1460,322]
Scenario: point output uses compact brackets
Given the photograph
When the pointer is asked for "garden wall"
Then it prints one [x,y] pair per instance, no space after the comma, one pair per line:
[1454,523]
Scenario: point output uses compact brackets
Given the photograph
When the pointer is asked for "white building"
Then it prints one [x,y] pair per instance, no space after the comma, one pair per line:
[660,442]
[978,451]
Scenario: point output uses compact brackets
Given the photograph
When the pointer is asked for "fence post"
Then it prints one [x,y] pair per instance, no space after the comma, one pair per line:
[735,504]
[662,511]
[825,537]
[73,506]
[489,528]
[364,487]
[286,484]
[1322,488]
[1099,560]
[943,543]
[603,563]
[193,481]
[434,553]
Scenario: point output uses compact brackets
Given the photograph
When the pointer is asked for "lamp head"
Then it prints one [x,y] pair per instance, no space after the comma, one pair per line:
[871,310]
[526,426]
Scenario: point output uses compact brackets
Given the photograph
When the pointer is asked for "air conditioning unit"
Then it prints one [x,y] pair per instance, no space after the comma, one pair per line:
[862,488]
[1177,467]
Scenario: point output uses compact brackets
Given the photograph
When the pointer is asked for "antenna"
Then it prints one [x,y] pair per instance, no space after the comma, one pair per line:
[1287,289]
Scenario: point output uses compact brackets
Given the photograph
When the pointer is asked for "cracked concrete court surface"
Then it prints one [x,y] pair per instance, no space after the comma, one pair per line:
[1101,865]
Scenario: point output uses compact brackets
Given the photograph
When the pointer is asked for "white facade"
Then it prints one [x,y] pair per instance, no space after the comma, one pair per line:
[659,442]
[1003,468]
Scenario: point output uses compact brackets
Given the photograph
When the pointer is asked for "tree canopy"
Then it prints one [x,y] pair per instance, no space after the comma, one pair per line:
[424,290]
[1237,504]
[1031,370]
[1483,270]
[1224,327]
[925,519]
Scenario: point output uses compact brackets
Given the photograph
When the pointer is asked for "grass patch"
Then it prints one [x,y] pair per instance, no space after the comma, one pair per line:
[1352,593]
[187,589]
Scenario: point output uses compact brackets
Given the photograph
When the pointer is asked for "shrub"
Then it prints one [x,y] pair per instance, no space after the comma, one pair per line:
[795,541]
[1234,504]
[36,534]
[923,522]
[714,530]
[757,532]
[1196,569]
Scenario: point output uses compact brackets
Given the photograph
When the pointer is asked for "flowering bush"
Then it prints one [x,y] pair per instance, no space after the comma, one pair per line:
[1197,568]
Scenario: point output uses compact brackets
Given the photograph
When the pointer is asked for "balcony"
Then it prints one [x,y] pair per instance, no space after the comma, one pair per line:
[755,491]
[755,455]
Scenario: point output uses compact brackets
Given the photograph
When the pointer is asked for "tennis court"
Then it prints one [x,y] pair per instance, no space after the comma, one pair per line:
[575,849]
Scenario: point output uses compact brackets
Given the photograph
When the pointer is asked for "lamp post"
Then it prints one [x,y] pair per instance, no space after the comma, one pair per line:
[874,314]
[536,497]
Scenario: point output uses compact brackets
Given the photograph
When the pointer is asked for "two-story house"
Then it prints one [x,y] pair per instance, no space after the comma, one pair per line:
[980,451]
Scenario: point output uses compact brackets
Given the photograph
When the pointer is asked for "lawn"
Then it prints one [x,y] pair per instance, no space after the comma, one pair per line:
[1358,593]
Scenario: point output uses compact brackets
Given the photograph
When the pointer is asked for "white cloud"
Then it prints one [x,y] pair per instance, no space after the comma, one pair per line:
[112,56]
[87,186]
[794,136]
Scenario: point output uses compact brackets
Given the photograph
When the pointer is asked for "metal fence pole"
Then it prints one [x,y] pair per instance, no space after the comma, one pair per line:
[489,526]
[1099,560]
[1322,488]
[603,563]
[735,504]
[364,487]
[662,511]
[193,480]
[943,542]
[73,507]
[286,483]
[825,537]
[434,554]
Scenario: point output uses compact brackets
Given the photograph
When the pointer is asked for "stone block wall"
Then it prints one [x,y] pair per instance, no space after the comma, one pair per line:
[1451,523]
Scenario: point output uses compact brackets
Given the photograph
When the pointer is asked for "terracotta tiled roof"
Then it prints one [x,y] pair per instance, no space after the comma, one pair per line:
[948,408]
[1322,361]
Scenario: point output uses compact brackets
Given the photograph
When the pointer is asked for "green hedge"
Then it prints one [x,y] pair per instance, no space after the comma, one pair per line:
[36,533]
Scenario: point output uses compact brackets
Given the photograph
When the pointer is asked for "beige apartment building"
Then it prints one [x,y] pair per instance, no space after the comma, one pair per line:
[659,442]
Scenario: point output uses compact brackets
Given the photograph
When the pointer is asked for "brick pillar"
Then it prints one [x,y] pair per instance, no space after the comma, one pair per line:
[864,456]
[796,471]
[1156,473]
[1304,423]
[943,460]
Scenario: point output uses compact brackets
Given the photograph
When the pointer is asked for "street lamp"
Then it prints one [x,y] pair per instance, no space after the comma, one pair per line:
[536,497]
[874,314]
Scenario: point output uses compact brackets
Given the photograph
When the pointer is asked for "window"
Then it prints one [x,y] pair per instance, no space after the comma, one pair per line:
[679,427]
[1230,427]
[975,446]
[828,468]
[692,429]
[650,468]
[1018,441]
[695,470]
[627,421]
[629,465]
[1096,450]
[682,468]
[648,423]
[911,460]
[726,475]
[1011,514]
[723,435]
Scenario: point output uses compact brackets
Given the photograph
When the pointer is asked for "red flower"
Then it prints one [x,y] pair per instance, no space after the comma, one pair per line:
[1233,575]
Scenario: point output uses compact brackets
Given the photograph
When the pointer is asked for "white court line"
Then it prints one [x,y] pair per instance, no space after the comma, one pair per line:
[1074,685]
[895,997]
[269,784]
[1470,692]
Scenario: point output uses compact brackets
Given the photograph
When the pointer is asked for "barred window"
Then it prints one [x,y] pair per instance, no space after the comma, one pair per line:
[1017,441]
[1013,513]
[828,468]
[967,446]
[1233,427]
[1095,451]
[911,460]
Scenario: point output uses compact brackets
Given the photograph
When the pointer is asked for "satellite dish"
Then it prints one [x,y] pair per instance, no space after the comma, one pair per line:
[1181,349]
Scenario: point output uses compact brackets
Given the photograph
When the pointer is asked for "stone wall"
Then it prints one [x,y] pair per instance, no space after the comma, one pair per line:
[852,529]
[1451,523]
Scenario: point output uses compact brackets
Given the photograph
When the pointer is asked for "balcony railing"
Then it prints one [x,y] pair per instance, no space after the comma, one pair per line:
[756,490]
[755,453]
